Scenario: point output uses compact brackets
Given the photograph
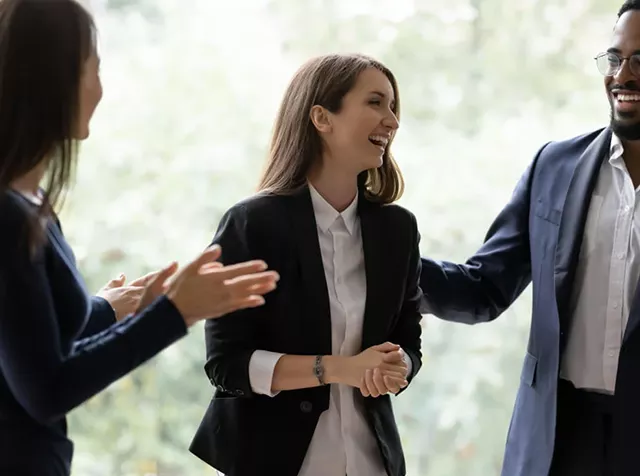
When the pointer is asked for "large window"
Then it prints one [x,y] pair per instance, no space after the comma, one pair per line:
[191,89]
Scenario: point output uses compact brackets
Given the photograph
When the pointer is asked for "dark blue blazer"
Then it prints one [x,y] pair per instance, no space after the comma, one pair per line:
[58,346]
[537,237]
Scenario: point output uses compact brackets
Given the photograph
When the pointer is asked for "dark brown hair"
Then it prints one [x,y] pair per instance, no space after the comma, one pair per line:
[296,144]
[43,47]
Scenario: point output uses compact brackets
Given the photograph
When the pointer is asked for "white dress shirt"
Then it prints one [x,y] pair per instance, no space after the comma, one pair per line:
[606,278]
[343,442]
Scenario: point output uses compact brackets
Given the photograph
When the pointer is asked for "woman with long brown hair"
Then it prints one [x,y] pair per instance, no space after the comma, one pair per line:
[302,384]
[56,351]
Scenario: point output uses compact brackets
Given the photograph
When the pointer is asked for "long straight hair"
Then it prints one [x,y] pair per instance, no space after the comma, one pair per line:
[43,47]
[296,144]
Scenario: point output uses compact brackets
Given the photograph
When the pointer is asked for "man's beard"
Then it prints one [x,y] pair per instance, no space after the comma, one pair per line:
[625,131]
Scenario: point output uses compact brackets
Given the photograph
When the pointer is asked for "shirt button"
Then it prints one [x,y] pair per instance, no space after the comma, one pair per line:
[611,353]
[627,208]
[615,305]
[620,255]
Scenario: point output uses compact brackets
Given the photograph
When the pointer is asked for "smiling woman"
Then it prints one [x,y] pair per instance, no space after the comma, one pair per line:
[346,314]
[311,106]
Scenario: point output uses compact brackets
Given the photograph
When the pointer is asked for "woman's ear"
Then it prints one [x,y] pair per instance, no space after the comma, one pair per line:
[321,118]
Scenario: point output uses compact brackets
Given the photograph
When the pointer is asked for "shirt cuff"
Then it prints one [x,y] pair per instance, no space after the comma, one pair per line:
[262,364]
[407,360]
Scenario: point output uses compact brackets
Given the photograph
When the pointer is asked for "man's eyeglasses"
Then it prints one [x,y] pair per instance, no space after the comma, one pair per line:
[609,64]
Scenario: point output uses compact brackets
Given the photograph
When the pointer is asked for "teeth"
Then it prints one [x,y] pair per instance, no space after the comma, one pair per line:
[628,97]
[381,140]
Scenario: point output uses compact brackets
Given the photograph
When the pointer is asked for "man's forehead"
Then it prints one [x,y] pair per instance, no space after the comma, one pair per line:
[626,32]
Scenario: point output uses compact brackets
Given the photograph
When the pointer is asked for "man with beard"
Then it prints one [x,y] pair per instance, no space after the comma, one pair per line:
[572,227]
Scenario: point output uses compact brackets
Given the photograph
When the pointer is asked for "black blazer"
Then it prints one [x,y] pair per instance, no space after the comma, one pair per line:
[246,434]
[58,346]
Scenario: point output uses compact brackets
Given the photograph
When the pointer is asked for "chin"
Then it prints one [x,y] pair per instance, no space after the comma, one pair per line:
[626,129]
[82,135]
[376,163]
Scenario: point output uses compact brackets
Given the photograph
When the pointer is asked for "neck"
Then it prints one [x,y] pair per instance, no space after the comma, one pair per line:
[631,149]
[29,183]
[336,186]
[631,158]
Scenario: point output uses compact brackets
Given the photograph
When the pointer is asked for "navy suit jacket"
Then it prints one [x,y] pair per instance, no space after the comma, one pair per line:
[58,346]
[537,237]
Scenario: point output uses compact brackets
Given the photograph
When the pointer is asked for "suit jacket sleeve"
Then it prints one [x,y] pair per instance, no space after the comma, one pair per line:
[488,283]
[407,332]
[47,377]
[231,340]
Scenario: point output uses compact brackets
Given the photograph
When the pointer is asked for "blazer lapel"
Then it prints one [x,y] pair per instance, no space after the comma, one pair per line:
[378,251]
[574,215]
[305,233]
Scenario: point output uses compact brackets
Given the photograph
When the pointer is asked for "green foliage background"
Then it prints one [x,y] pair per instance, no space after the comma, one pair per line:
[191,89]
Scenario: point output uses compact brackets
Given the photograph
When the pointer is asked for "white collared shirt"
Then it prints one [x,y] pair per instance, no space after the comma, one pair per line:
[606,278]
[343,442]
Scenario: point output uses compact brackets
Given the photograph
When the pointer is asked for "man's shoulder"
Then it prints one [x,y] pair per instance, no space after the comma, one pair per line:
[573,145]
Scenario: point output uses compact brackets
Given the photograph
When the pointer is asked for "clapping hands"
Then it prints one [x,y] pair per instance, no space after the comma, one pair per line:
[389,378]
[376,371]
[125,299]
[202,289]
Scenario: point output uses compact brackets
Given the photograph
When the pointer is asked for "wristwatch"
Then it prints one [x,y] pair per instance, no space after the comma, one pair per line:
[318,370]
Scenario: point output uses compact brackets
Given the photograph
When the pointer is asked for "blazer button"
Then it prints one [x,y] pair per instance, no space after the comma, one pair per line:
[306,407]
[239,393]
[220,387]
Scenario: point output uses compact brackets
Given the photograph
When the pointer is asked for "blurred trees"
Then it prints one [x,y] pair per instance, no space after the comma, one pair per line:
[191,89]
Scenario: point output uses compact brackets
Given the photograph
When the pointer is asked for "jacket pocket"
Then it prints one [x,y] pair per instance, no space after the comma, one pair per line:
[547,213]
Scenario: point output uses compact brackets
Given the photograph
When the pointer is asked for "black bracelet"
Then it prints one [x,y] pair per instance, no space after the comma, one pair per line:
[318,370]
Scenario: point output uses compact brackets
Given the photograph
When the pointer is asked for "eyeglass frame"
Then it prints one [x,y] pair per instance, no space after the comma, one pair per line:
[621,60]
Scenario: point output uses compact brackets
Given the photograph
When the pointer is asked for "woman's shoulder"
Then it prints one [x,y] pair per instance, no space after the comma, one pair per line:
[16,218]
[14,211]
[396,214]
[259,206]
